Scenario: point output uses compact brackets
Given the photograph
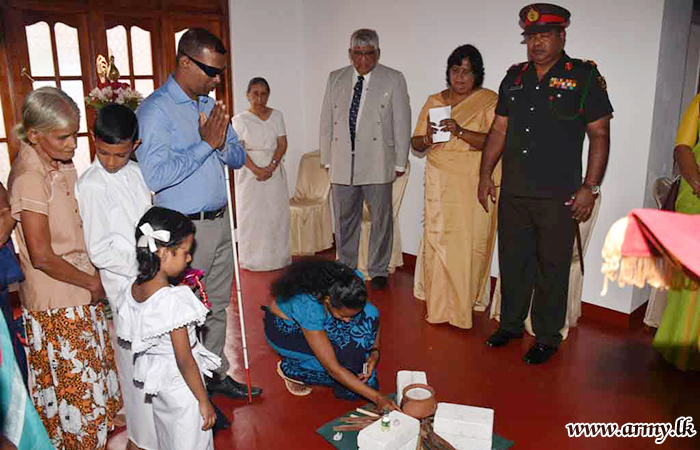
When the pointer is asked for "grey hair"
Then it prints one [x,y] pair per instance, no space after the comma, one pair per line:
[46,109]
[364,37]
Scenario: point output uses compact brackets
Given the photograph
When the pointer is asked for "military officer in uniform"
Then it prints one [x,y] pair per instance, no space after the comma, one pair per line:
[545,108]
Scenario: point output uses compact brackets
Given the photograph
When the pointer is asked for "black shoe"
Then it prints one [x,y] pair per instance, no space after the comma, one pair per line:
[231,388]
[539,354]
[378,283]
[501,338]
[222,422]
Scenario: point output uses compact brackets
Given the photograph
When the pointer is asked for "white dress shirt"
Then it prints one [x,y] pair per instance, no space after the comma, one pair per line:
[111,205]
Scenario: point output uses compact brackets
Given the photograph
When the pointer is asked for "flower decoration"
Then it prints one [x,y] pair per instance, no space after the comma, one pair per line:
[193,278]
[109,89]
[120,93]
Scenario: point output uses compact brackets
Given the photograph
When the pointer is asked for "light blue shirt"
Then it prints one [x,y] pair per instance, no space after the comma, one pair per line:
[184,171]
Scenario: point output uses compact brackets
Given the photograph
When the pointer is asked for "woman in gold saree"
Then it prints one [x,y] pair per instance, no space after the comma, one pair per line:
[453,266]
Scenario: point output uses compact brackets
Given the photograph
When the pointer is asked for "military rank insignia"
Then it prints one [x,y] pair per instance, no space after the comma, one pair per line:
[533,15]
[567,84]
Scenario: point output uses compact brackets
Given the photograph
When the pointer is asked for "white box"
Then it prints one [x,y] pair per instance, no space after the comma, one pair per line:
[466,443]
[463,420]
[396,438]
[406,377]
[410,445]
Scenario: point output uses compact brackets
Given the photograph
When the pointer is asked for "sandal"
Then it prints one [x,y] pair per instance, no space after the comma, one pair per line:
[293,386]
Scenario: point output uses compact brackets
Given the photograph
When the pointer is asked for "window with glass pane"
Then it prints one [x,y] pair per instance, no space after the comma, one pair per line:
[4,151]
[40,50]
[143,61]
[59,66]
[131,48]
[118,47]
[68,50]
[4,162]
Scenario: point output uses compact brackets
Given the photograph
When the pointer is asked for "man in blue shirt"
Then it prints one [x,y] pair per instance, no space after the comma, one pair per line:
[187,140]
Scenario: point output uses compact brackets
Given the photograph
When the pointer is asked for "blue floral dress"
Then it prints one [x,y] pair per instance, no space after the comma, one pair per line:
[351,341]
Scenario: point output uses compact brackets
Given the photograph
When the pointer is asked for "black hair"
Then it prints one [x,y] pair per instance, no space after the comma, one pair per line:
[475,60]
[195,40]
[179,226]
[258,80]
[116,124]
[321,278]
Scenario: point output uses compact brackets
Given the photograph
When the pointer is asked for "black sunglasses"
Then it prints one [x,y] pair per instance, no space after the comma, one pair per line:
[210,71]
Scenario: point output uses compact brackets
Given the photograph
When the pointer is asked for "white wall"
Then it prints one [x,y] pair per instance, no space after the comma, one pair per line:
[692,67]
[266,41]
[303,40]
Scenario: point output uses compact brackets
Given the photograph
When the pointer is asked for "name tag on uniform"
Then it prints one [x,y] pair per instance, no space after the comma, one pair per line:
[517,87]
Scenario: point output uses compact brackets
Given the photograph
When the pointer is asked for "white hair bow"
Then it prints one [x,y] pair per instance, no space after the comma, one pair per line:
[149,237]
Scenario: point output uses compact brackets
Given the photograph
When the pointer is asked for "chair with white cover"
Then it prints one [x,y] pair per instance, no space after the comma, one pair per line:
[573,307]
[310,224]
[398,191]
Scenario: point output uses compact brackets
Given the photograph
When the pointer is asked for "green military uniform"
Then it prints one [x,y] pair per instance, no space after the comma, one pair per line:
[546,125]
[542,168]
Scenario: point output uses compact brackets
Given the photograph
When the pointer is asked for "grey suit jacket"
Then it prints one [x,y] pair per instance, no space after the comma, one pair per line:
[383,133]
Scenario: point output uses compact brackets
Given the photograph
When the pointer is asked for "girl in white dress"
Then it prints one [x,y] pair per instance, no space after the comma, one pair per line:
[262,198]
[160,322]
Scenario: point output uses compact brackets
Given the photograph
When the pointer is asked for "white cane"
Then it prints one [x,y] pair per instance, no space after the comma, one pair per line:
[238,284]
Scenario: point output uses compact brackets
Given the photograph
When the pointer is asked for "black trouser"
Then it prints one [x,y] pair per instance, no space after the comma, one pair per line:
[535,245]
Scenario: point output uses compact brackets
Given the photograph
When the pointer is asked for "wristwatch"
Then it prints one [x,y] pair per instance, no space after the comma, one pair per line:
[595,188]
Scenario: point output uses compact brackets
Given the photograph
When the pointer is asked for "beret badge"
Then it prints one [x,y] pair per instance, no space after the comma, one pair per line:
[533,15]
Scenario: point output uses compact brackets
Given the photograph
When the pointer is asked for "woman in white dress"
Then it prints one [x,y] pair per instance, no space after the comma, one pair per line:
[262,199]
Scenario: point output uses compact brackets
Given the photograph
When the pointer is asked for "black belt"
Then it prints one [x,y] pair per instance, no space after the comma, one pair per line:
[208,215]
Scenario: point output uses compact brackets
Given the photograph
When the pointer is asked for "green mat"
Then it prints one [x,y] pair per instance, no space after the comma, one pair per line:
[349,441]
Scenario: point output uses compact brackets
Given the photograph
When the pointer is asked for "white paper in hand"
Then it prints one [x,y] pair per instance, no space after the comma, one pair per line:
[436,115]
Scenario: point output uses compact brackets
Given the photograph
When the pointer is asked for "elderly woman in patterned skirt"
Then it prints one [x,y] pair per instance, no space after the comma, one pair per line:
[71,361]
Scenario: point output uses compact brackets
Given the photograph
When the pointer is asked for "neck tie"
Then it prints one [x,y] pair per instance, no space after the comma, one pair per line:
[354,108]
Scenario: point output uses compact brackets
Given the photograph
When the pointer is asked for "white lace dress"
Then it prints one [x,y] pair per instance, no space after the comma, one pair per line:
[147,326]
[262,207]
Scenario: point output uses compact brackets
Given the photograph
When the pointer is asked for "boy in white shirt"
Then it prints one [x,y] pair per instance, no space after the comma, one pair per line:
[112,197]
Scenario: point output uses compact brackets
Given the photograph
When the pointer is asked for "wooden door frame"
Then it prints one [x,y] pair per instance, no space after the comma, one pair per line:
[90,16]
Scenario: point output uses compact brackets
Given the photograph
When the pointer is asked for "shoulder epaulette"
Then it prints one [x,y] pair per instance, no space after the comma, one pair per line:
[584,63]
[518,67]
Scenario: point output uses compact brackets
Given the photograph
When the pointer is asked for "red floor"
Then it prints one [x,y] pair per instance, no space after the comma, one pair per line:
[601,374]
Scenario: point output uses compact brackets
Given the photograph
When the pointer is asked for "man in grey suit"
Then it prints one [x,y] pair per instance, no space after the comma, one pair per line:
[364,139]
